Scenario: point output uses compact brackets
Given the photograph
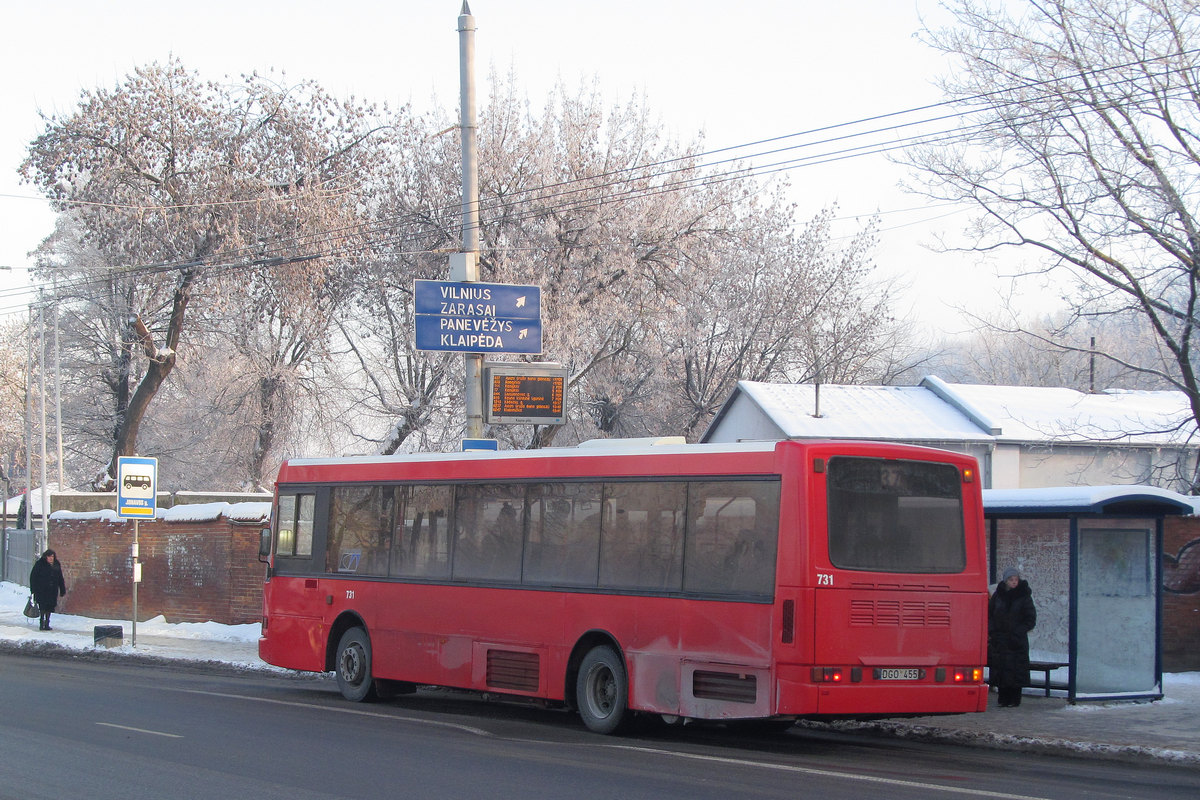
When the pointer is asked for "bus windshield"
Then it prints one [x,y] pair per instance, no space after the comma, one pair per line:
[895,516]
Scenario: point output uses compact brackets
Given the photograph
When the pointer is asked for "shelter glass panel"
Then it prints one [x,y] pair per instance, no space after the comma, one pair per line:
[1116,585]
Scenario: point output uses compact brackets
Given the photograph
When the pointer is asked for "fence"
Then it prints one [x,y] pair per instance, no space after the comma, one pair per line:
[17,557]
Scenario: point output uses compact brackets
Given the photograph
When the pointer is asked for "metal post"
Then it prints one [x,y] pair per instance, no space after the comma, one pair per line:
[472,362]
[133,635]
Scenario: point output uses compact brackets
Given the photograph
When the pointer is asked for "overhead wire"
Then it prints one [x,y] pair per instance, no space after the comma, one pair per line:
[698,170]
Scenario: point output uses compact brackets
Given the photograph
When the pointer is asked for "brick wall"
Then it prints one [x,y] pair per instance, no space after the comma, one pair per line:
[192,571]
[1181,598]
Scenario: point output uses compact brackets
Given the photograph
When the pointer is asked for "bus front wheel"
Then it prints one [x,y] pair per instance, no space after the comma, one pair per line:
[353,666]
[602,690]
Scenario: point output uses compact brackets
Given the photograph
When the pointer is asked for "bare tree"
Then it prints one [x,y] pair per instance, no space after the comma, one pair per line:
[173,183]
[1088,354]
[1081,143]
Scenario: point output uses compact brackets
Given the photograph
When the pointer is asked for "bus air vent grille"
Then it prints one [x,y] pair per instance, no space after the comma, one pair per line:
[899,614]
[514,671]
[728,686]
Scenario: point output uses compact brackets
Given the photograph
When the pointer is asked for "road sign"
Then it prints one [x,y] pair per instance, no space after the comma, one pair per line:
[137,486]
[473,317]
[525,394]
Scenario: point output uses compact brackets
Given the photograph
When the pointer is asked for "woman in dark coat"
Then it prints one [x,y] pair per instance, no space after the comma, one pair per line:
[47,584]
[1011,615]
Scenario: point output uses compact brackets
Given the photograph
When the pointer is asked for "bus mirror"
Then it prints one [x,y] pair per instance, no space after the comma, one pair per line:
[264,544]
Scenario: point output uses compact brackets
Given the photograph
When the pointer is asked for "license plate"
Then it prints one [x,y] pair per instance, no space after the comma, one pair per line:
[899,674]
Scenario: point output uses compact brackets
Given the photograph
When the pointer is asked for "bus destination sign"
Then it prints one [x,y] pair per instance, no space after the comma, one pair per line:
[525,394]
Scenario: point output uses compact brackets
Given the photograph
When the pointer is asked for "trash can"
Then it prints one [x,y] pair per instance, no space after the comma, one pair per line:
[108,635]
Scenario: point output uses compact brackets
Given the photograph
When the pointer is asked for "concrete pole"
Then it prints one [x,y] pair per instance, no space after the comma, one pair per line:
[472,362]
[29,432]
[62,481]
[45,494]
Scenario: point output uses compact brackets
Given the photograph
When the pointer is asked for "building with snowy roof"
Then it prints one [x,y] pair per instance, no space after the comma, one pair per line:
[1023,437]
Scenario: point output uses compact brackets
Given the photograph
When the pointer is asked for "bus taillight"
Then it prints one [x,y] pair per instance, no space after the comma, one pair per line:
[826,675]
[968,675]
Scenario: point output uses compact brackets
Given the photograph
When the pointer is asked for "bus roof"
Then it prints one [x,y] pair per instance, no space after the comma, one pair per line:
[755,457]
[592,448]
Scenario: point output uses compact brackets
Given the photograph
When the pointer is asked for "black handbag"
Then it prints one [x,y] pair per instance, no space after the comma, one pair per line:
[31,608]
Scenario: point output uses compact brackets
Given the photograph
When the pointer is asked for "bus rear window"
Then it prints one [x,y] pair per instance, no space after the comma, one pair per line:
[895,516]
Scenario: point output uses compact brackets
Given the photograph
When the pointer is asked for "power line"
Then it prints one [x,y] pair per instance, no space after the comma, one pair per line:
[693,169]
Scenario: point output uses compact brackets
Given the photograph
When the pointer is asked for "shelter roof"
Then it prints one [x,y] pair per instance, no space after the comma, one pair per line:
[1070,500]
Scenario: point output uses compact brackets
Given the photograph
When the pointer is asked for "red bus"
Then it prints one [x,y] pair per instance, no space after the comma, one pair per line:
[765,581]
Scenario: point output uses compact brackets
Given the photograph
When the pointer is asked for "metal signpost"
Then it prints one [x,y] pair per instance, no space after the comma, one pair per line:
[464,315]
[137,498]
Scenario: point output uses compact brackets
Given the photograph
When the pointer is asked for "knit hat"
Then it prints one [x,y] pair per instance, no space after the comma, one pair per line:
[1009,573]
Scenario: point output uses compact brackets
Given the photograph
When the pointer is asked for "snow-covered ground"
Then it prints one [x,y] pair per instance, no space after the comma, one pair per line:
[202,641]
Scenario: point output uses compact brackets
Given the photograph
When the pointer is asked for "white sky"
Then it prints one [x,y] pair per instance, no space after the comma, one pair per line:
[739,72]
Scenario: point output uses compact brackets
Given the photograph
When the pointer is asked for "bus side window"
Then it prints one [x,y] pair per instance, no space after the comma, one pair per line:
[563,533]
[295,526]
[360,530]
[733,527]
[422,537]
[641,538]
[489,522]
[285,541]
[305,515]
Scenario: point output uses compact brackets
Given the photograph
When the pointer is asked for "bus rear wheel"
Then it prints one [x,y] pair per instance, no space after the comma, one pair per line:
[602,690]
[353,666]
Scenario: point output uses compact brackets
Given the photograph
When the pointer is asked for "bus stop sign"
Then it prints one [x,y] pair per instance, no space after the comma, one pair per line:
[137,487]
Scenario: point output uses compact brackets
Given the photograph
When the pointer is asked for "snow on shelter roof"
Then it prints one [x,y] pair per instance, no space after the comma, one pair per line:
[1063,500]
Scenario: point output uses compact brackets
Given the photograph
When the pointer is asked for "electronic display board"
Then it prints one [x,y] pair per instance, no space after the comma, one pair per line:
[525,394]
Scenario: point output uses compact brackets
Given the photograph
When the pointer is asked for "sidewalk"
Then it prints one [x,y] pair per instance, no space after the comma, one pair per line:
[1167,731]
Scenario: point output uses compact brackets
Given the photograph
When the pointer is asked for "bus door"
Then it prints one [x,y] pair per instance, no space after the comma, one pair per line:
[296,624]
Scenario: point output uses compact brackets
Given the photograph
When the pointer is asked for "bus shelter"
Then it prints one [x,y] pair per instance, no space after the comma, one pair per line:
[1092,556]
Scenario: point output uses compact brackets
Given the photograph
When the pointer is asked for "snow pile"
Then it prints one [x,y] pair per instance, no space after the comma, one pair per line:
[194,512]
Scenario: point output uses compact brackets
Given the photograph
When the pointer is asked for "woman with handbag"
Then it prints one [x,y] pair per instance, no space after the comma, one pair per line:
[47,584]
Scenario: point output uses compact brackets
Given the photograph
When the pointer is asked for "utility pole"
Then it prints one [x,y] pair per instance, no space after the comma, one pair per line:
[29,430]
[466,267]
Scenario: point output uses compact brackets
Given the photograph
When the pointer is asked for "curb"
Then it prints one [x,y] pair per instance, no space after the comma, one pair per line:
[996,740]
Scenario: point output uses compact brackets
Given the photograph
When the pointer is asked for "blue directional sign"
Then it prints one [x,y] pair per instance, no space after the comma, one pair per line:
[137,484]
[472,317]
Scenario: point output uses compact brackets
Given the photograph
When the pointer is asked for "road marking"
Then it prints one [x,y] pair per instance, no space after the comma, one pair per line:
[140,730]
[355,711]
[827,773]
[824,773]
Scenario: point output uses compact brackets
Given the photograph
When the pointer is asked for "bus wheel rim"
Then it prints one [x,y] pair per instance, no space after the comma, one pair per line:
[352,664]
[602,691]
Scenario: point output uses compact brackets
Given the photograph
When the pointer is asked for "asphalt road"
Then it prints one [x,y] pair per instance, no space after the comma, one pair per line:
[80,729]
